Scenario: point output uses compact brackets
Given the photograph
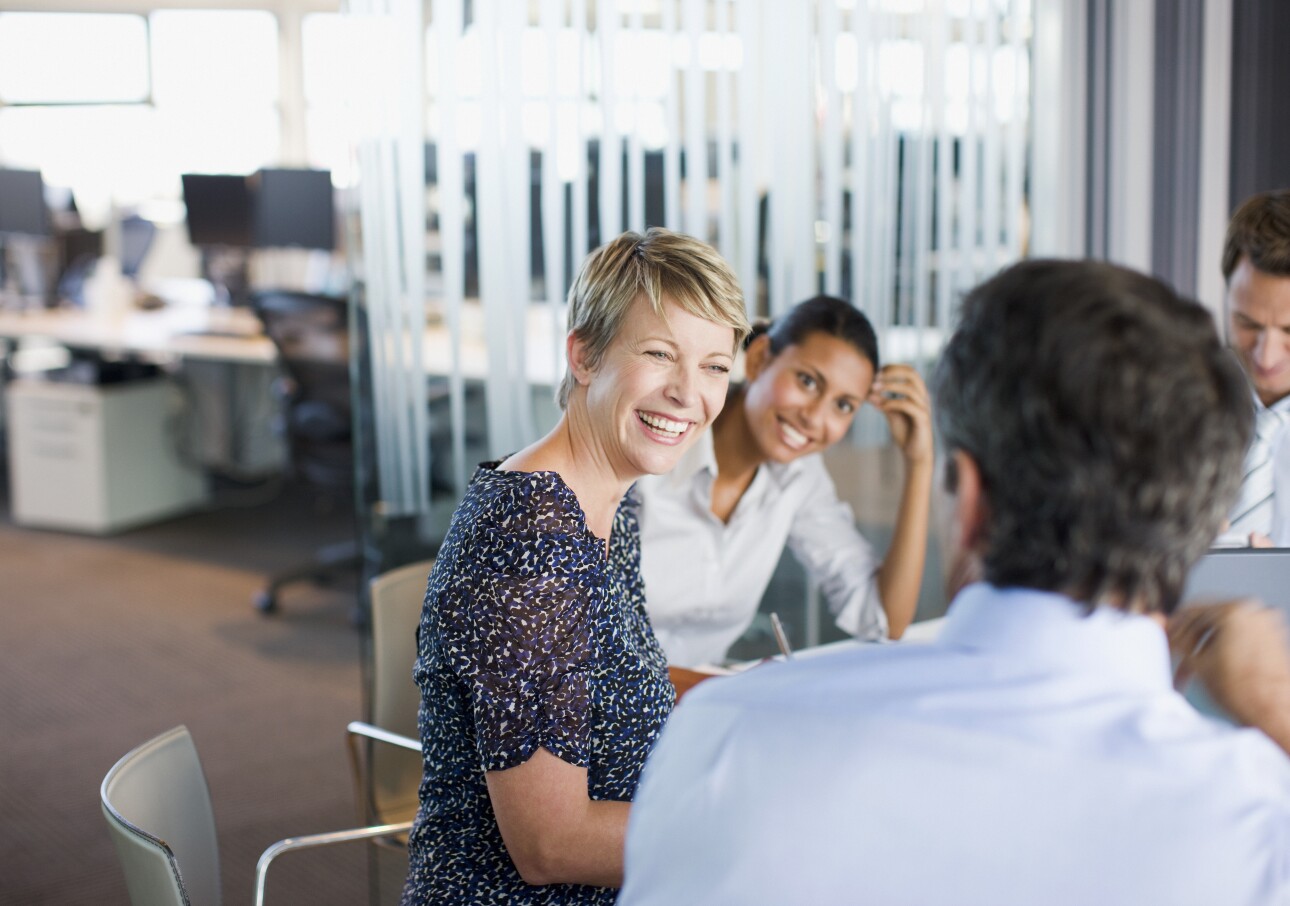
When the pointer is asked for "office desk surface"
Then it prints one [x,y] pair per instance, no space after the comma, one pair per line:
[235,335]
[219,334]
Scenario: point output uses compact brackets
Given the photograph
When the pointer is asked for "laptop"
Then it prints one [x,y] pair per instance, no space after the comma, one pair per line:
[1256,572]
[1226,573]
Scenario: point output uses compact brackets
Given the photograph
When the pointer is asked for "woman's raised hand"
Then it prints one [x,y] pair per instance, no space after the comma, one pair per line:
[900,394]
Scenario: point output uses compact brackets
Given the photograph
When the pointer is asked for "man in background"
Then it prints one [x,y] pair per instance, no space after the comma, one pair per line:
[1037,752]
[1256,266]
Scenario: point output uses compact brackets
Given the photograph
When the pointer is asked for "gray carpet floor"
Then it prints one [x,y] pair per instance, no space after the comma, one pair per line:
[105,642]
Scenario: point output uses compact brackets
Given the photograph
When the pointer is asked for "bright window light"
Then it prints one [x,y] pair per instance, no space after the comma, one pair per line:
[61,58]
[225,58]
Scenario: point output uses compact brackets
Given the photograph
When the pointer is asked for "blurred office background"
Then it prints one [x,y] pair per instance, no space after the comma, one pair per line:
[468,153]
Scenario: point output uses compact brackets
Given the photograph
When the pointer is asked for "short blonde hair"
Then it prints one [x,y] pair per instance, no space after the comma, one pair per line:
[660,263]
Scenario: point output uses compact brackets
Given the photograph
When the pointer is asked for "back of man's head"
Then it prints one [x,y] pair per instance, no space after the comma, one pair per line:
[1108,424]
[1260,230]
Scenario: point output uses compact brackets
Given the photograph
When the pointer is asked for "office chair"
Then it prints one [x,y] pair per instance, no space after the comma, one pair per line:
[158,811]
[311,333]
[137,235]
[385,754]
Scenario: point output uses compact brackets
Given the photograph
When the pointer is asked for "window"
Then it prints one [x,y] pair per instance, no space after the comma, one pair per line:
[150,98]
[110,53]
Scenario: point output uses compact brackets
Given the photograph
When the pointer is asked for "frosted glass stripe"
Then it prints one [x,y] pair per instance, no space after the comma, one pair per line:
[672,218]
[1015,168]
[695,131]
[635,147]
[831,145]
[494,282]
[725,168]
[990,181]
[969,161]
[747,22]
[554,208]
[611,142]
[579,229]
[945,251]
[452,222]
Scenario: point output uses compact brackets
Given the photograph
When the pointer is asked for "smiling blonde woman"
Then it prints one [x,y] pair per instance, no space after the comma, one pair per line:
[543,688]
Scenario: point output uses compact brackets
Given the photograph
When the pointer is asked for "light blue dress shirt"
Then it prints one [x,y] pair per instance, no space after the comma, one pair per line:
[1031,755]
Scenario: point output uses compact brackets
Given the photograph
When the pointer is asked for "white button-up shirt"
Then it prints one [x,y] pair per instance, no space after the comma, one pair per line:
[1280,534]
[1031,755]
[704,579]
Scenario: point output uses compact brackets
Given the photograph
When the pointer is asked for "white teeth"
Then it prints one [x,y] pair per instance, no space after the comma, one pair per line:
[794,438]
[663,425]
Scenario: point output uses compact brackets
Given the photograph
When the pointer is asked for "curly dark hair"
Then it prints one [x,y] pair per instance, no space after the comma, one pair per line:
[1108,423]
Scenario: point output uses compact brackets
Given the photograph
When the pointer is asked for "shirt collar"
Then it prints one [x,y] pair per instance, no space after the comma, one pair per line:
[1058,635]
[699,457]
[1281,406]
[703,456]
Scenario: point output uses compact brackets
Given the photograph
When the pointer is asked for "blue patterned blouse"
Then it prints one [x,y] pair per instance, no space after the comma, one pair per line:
[529,638]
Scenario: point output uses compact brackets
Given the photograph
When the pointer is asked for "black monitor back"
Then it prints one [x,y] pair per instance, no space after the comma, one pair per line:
[22,203]
[219,209]
[294,208]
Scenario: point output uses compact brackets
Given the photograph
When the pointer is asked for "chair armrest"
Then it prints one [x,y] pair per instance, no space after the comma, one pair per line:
[314,840]
[359,728]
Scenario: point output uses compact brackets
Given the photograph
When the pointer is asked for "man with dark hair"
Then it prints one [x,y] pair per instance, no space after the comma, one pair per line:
[1256,266]
[1037,751]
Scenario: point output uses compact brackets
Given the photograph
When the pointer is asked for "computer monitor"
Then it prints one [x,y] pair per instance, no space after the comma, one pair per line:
[294,208]
[219,209]
[22,203]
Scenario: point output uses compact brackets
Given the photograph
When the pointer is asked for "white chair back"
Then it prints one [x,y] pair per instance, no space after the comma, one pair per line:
[158,810]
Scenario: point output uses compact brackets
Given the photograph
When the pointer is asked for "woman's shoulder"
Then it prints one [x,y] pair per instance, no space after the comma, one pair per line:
[522,501]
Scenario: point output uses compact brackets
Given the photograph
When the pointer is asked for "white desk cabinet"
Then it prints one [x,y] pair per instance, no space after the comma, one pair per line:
[96,458]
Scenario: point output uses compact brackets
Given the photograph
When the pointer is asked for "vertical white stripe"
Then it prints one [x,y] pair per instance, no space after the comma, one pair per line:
[611,141]
[1215,130]
[831,146]
[635,147]
[672,217]
[553,197]
[748,16]
[412,192]
[1132,104]
[861,162]
[944,174]
[695,134]
[452,228]
[776,88]
[1059,54]
[803,169]
[885,223]
[494,283]
[725,175]
[516,221]
[991,188]
[792,165]
[923,174]
[1016,160]
[579,193]
[970,171]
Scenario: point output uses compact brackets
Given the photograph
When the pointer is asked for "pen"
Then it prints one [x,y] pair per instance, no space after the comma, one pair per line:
[780,638]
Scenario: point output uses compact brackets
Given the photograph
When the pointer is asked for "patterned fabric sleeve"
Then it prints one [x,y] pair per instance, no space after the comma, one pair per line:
[523,647]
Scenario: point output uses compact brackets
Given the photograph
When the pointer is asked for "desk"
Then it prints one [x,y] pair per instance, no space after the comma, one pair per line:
[228,366]
[210,334]
[235,335]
